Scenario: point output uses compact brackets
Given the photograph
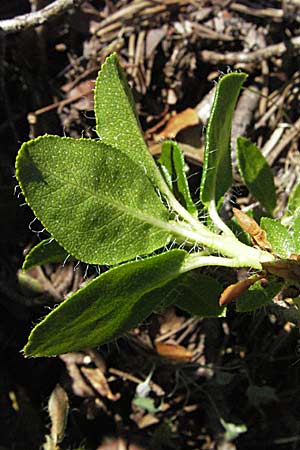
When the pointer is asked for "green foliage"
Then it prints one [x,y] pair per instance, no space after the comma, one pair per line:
[172,165]
[98,205]
[106,202]
[117,123]
[296,230]
[258,296]
[294,201]
[106,307]
[192,291]
[217,171]
[232,430]
[281,240]
[256,173]
[44,252]
[146,403]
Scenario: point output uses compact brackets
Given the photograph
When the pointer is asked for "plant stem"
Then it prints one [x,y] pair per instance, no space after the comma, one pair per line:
[194,261]
[178,208]
[212,211]
[195,232]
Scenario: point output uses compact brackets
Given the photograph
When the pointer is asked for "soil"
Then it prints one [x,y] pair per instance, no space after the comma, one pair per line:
[230,383]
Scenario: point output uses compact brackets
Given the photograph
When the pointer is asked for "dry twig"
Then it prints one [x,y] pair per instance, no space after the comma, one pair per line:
[251,57]
[37,18]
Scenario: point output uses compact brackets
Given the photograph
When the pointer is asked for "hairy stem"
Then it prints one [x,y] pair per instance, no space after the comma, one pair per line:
[213,213]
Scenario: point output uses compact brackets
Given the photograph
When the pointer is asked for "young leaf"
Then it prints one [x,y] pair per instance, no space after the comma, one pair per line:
[279,237]
[44,252]
[257,296]
[106,307]
[116,117]
[217,173]
[96,203]
[256,173]
[172,165]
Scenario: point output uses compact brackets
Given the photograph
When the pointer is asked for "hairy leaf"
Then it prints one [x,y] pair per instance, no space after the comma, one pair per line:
[256,173]
[172,165]
[106,307]
[44,252]
[117,120]
[96,203]
[279,237]
[217,173]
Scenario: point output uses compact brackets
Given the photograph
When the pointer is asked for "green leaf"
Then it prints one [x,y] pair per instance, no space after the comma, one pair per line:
[281,240]
[232,430]
[44,252]
[146,403]
[217,172]
[29,285]
[258,296]
[97,205]
[294,201]
[172,165]
[296,231]
[117,120]
[256,173]
[106,307]
[197,294]
[241,234]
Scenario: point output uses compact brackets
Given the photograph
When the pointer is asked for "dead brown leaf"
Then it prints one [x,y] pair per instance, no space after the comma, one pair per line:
[58,408]
[178,122]
[288,269]
[234,291]
[147,420]
[98,380]
[79,385]
[257,234]
[174,352]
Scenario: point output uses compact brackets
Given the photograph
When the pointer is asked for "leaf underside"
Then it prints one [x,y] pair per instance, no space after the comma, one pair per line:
[217,171]
[96,203]
[106,307]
